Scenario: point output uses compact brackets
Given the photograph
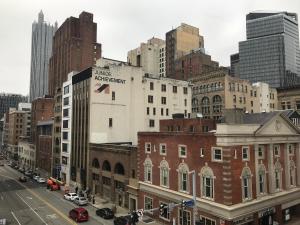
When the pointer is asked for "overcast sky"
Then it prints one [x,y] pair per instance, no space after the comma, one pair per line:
[123,24]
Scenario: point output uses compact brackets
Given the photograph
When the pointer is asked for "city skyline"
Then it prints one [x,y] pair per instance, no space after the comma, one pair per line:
[218,26]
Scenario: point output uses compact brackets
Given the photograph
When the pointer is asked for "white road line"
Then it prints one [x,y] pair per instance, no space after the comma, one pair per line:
[32,209]
[12,213]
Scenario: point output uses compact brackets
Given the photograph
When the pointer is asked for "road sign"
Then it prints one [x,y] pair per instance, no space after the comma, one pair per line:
[189,203]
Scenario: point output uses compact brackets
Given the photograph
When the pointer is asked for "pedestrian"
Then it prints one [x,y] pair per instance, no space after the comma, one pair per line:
[93,199]
[76,189]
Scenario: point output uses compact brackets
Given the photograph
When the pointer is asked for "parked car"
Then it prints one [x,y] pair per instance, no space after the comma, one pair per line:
[70,196]
[21,169]
[81,201]
[79,214]
[54,186]
[41,180]
[22,179]
[28,173]
[105,213]
[123,220]
[36,177]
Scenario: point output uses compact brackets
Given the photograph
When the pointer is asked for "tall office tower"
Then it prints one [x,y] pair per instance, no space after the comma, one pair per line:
[150,56]
[41,48]
[179,42]
[74,48]
[271,52]
[10,101]
[235,65]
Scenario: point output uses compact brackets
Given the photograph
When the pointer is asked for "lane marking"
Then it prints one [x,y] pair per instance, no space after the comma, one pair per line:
[70,221]
[15,217]
[32,209]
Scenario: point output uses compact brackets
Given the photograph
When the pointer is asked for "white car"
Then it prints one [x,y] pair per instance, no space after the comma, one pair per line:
[80,201]
[70,196]
[36,177]
[41,180]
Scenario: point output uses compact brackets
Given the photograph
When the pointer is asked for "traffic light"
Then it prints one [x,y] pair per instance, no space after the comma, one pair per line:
[183,204]
[134,217]
[163,210]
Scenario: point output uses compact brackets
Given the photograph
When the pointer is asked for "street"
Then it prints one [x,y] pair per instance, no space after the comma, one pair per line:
[31,203]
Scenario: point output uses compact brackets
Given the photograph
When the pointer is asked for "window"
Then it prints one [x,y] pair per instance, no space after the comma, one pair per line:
[65,123]
[184,217]
[65,112]
[161,111]
[110,122]
[148,110]
[151,123]
[182,151]
[217,154]
[150,99]
[185,90]
[246,184]
[174,89]
[207,185]
[163,88]
[66,89]
[207,221]
[64,160]
[261,153]
[278,176]
[201,152]
[151,86]
[65,147]
[261,179]
[291,149]
[163,100]
[148,203]
[113,95]
[66,101]
[164,173]
[65,135]
[148,170]
[148,147]
[277,150]
[245,153]
[167,112]
[183,172]
[154,111]
[185,102]
[163,149]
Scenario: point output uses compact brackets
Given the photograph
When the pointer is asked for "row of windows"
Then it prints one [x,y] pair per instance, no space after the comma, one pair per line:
[162,111]
[164,88]
[208,88]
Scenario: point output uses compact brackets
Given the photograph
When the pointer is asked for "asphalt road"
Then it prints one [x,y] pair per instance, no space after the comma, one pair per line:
[31,203]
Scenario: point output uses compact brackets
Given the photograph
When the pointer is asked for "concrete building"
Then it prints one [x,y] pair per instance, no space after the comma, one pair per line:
[246,171]
[180,41]
[217,90]
[75,48]
[271,52]
[128,101]
[10,101]
[150,56]
[26,154]
[193,64]
[41,48]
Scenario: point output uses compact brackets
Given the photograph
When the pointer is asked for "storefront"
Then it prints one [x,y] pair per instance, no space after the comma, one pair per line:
[245,220]
[266,217]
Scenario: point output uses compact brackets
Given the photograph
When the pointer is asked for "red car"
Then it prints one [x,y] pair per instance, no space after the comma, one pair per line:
[79,214]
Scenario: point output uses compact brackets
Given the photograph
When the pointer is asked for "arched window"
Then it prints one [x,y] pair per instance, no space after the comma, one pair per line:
[95,163]
[246,178]
[194,102]
[119,169]
[205,105]
[183,177]
[262,179]
[148,170]
[207,182]
[292,171]
[278,176]
[106,166]
[164,173]
[217,104]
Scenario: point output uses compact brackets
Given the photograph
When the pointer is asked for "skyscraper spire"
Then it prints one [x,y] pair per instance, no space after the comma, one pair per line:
[41,17]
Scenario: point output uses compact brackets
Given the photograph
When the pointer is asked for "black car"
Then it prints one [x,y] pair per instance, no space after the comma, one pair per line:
[123,220]
[105,213]
[22,179]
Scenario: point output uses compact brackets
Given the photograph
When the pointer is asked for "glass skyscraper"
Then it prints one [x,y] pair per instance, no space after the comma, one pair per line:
[271,52]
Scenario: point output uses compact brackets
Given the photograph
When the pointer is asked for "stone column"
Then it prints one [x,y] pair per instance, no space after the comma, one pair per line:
[255,172]
[297,152]
[271,169]
[286,167]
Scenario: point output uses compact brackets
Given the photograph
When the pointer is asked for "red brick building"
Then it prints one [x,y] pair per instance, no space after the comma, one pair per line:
[246,171]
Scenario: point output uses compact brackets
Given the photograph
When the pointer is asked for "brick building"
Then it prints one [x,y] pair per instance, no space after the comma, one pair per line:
[113,173]
[193,64]
[245,171]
